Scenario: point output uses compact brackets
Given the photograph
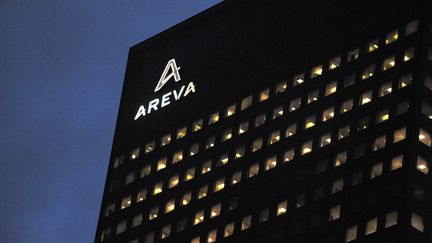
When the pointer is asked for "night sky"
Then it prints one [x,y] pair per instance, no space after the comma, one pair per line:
[62,65]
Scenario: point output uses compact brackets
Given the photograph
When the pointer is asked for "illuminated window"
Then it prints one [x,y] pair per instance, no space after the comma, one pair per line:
[349,80]
[353,55]
[417,222]
[422,165]
[274,137]
[277,112]
[331,88]
[213,118]
[153,213]
[310,122]
[230,110]
[141,195]
[312,96]
[210,142]
[379,143]
[316,71]
[325,140]
[270,163]
[181,132]
[243,127]
[239,152]
[118,161]
[391,219]
[246,102]
[405,81]
[264,95]
[424,137]
[260,120]
[125,202]
[337,186]
[215,210]
[211,237]
[263,215]
[397,162]
[371,226]
[346,106]
[388,63]
[343,132]
[306,147]
[121,227]
[197,125]
[392,37]
[229,229]
[186,198]
[253,170]
[282,208]
[206,167]
[178,156]
[226,135]
[134,154]
[236,178]
[334,62]
[328,114]
[130,178]
[411,27]
[202,192]
[426,110]
[161,164]
[368,72]
[295,104]
[372,45]
[149,238]
[298,79]
[280,87]
[189,174]
[288,155]
[409,54]
[137,220]
[376,170]
[351,233]
[385,89]
[246,222]
[173,181]
[110,209]
[256,145]
[291,130]
[219,185]
[199,217]
[165,140]
[195,240]
[366,97]
[194,149]
[334,213]
[399,135]
[340,158]
[382,116]
[170,206]
[157,188]
[165,232]
[300,200]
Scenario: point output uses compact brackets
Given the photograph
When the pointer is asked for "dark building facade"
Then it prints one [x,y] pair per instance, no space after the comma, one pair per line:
[277,121]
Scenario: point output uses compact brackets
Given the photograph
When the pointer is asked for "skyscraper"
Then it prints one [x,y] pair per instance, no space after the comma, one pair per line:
[277,121]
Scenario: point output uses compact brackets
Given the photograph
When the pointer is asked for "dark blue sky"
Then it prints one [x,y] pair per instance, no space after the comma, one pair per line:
[61,72]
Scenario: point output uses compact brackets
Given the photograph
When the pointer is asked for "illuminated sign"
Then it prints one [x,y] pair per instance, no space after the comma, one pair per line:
[171,71]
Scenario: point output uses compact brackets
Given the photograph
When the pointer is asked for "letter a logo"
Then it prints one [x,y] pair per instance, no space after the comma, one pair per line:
[171,66]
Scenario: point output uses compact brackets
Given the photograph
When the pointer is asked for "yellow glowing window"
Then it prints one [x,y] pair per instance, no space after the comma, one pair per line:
[223,159]
[178,156]
[310,122]
[316,71]
[210,142]
[331,88]
[157,188]
[202,192]
[274,137]
[312,96]
[141,195]
[165,140]
[215,210]
[399,135]
[186,199]
[346,106]
[385,89]
[135,153]
[343,132]
[243,127]
[153,213]
[325,139]
[219,185]
[264,95]
[372,45]
[409,54]
[199,217]
[405,81]
[213,118]
[397,162]
[353,55]
[277,112]
[424,137]
[165,232]
[422,165]
[170,206]
[253,170]
[388,63]
[161,164]
[306,147]
[190,174]
[334,63]
[174,181]
[181,132]
[206,167]
[239,152]
[291,130]
[281,87]
[270,163]
[125,202]
[298,79]
[368,72]
[328,114]
[340,158]
[230,110]
[236,178]
[383,116]
[366,97]
[197,125]
[229,229]
[392,37]
[226,135]
[288,155]
[150,147]
[282,208]
[211,237]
